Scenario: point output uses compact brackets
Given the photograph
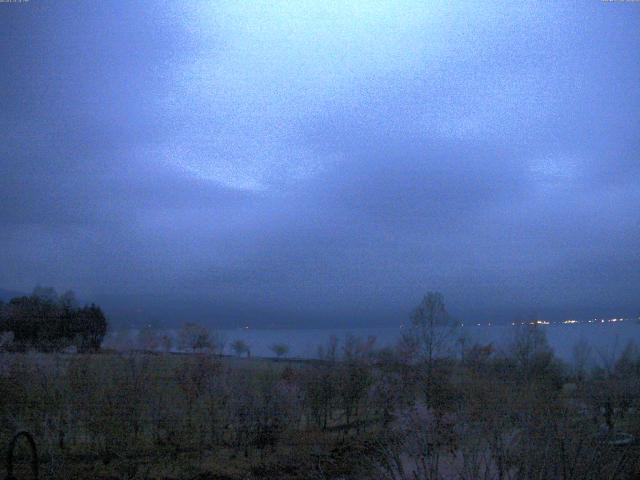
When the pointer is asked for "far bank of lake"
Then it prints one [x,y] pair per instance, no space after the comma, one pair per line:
[607,340]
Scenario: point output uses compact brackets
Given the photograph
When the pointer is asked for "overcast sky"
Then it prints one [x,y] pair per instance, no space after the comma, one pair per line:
[322,162]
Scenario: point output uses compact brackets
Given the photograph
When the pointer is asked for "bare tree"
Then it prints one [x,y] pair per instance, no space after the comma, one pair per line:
[330,351]
[414,449]
[240,347]
[433,332]
[193,337]
[280,349]
[581,357]
[530,349]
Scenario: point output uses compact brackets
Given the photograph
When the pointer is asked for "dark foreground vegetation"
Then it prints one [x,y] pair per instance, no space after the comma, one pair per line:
[409,413]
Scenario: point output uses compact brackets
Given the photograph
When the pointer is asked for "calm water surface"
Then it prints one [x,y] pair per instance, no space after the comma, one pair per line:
[605,339]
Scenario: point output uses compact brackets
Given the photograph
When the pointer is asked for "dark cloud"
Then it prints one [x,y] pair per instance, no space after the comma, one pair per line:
[296,163]
[84,199]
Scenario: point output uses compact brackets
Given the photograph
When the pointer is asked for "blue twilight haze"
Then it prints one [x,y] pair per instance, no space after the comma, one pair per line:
[315,163]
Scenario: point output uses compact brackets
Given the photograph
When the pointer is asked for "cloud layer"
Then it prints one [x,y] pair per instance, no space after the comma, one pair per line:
[320,162]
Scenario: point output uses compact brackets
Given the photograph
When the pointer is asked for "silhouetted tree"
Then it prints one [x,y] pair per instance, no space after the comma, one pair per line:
[280,349]
[530,350]
[240,347]
[193,337]
[432,332]
[46,322]
[91,328]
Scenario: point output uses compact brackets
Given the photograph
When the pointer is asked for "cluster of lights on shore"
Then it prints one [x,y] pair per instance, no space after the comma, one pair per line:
[563,322]
[571,322]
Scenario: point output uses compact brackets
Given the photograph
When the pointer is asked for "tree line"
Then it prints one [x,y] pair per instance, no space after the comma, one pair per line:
[431,407]
[46,321]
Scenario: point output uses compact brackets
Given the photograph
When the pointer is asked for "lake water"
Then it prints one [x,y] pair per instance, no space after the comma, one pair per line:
[606,339]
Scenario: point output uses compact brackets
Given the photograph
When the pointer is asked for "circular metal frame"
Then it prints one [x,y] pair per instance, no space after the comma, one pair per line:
[34,454]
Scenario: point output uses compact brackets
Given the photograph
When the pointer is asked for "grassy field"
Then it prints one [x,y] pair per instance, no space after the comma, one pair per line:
[162,416]
[373,415]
